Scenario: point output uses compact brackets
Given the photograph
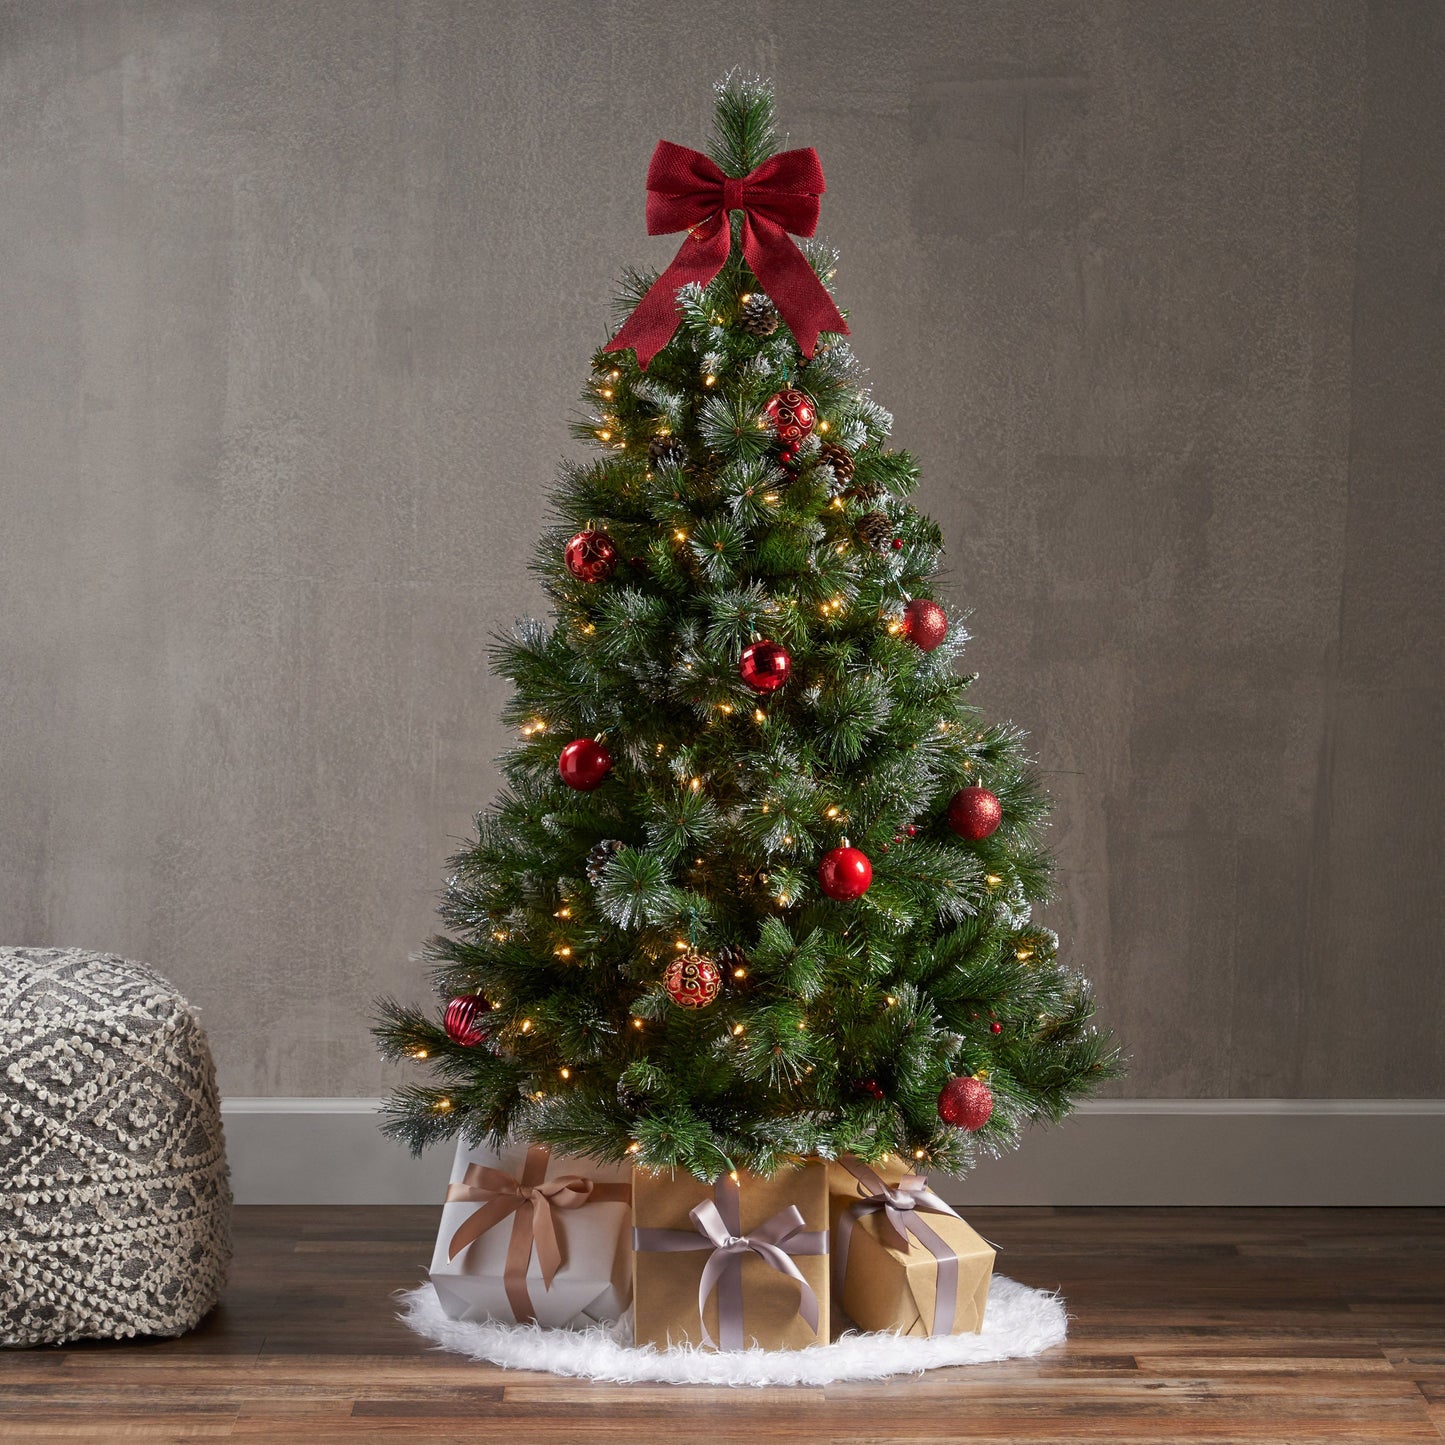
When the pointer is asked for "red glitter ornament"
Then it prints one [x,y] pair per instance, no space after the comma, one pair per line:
[464,1021]
[591,556]
[974,813]
[583,764]
[790,415]
[925,623]
[845,873]
[692,980]
[965,1103]
[765,666]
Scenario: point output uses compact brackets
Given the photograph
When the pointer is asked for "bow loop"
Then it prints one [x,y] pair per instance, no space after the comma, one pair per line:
[768,1241]
[686,191]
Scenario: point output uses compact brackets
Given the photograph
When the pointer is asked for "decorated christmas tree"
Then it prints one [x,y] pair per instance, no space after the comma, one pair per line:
[761,886]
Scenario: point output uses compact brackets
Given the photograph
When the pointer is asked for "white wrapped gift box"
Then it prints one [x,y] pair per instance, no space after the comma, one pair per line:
[503,1207]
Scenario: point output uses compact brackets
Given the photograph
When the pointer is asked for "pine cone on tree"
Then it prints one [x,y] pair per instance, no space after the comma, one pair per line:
[730,958]
[758,316]
[876,531]
[839,458]
[666,451]
[598,858]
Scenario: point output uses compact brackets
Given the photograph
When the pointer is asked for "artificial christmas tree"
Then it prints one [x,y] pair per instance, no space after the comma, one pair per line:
[767,733]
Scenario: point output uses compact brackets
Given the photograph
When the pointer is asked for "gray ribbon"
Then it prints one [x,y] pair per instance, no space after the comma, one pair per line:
[900,1207]
[717,1225]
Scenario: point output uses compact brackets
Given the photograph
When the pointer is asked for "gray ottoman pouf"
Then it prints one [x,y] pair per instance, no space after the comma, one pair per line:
[115,1203]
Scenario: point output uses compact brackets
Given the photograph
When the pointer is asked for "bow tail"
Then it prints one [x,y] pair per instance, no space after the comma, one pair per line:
[790,282]
[654,319]
[477,1223]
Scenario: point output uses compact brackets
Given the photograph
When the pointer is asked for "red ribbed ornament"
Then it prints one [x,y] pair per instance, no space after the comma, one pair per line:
[465,1020]
[965,1103]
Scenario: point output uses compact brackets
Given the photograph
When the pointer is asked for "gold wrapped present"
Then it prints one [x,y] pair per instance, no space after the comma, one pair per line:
[736,1263]
[903,1260]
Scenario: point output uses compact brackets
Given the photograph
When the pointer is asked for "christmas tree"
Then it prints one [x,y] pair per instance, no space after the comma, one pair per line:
[761,884]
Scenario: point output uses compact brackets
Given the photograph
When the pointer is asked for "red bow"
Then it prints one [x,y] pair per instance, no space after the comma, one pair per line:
[687,192]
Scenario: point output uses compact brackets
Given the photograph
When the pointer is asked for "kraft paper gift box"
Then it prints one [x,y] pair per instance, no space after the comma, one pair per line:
[732,1264]
[903,1260]
[529,1236]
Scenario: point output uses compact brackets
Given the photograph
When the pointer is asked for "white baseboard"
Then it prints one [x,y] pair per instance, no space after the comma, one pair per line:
[1113,1151]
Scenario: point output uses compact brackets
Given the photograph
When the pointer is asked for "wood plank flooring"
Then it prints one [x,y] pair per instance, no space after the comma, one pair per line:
[1286,1325]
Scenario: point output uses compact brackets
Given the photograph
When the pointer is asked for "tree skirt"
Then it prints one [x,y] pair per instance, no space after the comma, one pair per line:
[1019,1321]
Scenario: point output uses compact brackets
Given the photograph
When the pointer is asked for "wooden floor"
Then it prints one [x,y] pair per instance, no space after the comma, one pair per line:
[1283,1325]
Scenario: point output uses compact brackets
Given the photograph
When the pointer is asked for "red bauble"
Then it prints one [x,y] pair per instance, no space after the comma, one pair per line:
[871,1088]
[692,980]
[925,624]
[844,874]
[591,556]
[790,415]
[765,666]
[465,1020]
[583,764]
[974,813]
[965,1103]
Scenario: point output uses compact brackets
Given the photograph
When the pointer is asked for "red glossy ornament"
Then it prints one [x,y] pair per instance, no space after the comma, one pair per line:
[925,624]
[583,764]
[871,1088]
[965,1103]
[912,830]
[765,666]
[898,544]
[974,813]
[995,1028]
[591,556]
[692,980]
[790,415]
[465,1020]
[844,874]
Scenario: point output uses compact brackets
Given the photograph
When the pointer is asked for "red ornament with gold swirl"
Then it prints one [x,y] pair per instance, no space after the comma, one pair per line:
[692,980]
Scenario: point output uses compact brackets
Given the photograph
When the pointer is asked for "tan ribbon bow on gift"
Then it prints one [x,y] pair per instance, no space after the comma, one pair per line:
[900,1206]
[531,1200]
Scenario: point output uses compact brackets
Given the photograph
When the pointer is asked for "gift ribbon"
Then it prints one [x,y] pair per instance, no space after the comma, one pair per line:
[717,1224]
[686,191]
[530,1201]
[900,1206]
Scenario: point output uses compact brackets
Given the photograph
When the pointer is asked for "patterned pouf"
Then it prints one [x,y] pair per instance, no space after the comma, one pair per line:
[115,1202]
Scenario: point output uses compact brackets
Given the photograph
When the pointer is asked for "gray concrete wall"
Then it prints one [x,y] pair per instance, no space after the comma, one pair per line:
[294,303]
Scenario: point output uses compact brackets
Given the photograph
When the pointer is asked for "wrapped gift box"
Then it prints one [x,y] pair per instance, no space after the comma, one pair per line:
[903,1260]
[736,1263]
[528,1236]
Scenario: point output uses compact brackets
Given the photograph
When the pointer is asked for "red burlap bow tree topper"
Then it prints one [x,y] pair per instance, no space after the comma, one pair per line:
[687,192]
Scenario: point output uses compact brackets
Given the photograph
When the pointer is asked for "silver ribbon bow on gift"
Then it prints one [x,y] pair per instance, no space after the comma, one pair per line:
[900,1206]
[718,1224]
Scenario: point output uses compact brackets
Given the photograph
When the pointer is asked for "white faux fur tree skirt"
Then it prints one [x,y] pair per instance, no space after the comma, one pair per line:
[1019,1321]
